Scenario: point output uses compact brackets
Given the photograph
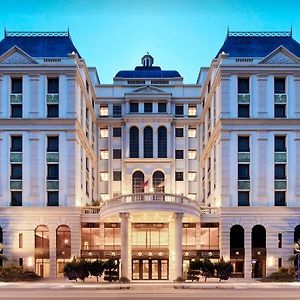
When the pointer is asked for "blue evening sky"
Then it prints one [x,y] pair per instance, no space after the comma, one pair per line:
[182,35]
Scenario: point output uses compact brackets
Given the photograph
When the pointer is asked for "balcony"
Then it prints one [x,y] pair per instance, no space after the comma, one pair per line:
[244,157]
[52,98]
[280,185]
[280,98]
[52,157]
[16,157]
[244,184]
[16,98]
[244,98]
[16,184]
[280,157]
[52,184]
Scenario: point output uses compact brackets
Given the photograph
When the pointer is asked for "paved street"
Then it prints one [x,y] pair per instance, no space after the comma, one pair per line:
[148,294]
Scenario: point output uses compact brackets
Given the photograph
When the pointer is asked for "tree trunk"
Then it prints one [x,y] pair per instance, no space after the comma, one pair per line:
[298,267]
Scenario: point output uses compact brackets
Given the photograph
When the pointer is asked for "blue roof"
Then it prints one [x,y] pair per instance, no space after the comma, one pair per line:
[258,46]
[40,46]
[147,72]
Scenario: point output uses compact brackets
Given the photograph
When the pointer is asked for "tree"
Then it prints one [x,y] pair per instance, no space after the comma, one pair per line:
[96,268]
[2,256]
[111,273]
[82,269]
[208,268]
[224,269]
[70,270]
[195,269]
[295,256]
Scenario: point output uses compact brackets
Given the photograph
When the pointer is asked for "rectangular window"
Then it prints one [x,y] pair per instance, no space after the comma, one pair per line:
[117,176]
[16,171]
[20,240]
[162,107]
[52,198]
[243,172]
[279,85]
[16,111]
[178,132]
[244,110]
[53,86]
[16,144]
[192,111]
[103,176]
[134,107]
[179,176]
[192,132]
[117,153]
[279,240]
[192,176]
[52,111]
[279,262]
[243,144]
[280,111]
[192,154]
[52,144]
[243,198]
[103,154]
[117,110]
[179,154]
[148,107]
[179,110]
[280,198]
[117,131]
[103,132]
[103,111]
[16,86]
[280,171]
[52,171]
[21,262]
[280,144]
[16,198]
[243,85]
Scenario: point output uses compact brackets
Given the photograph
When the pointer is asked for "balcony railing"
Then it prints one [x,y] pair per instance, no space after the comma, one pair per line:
[53,98]
[244,98]
[280,157]
[16,98]
[280,98]
[150,197]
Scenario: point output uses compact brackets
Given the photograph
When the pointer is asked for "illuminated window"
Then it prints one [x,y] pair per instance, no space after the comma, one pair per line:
[104,197]
[192,196]
[192,154]
[104,132]
[103,176]
[192,112]
[192,176]
[192,132]
[104,111]
[103,154]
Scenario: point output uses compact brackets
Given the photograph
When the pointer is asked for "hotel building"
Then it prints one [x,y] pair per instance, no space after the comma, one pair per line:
[149,170]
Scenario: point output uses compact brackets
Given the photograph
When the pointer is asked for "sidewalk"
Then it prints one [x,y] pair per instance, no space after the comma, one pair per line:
[150,286]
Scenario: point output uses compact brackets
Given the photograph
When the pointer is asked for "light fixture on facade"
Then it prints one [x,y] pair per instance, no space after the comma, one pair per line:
[210,254]
[140,253]
[160,253]
[150,253]
[237,253]
[187,253]
[66,241]
[113,254]
[258,253]
[90,254]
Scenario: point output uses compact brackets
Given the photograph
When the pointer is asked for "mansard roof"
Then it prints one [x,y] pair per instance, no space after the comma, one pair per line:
[39,44]
[148,72]
[258,44]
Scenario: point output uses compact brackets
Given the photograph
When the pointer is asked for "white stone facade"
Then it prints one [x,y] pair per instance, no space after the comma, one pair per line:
[149,170]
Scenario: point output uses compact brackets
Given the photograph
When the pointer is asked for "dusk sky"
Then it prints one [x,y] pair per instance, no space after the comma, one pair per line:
[180,35]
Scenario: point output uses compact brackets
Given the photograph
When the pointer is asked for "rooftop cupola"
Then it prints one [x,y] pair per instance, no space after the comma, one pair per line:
[147,60]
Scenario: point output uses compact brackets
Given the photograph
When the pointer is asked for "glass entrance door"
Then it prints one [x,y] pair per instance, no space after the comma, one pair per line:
[150,269]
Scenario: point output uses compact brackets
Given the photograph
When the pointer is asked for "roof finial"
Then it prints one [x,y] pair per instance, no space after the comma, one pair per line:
[227,30]
[5,31]
[68,31]
[291,30]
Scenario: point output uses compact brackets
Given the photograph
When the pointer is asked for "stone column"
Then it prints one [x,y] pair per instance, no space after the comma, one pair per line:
[124,244]
[248,255]
[52,252]
[178,244]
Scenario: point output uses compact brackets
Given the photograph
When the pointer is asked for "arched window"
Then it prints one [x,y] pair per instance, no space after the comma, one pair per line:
[162,142]
[258,236]
[63,242]
[237,237]
[158,181]
[138,185]
[297,233]
[1,249]
[148,142]
[134,142]
[41,245]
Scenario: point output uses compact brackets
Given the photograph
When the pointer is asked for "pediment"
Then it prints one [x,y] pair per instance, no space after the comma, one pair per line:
[148,90]
[15,55]
[281,55]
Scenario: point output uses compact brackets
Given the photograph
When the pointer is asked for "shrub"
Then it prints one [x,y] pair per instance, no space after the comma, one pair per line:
[194,269]
[208,268]
[96,268]
[14,273]
[282,275]
[224,269]
[82,269]
[111,273]
[179,279]
[124,279]
[70,270]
